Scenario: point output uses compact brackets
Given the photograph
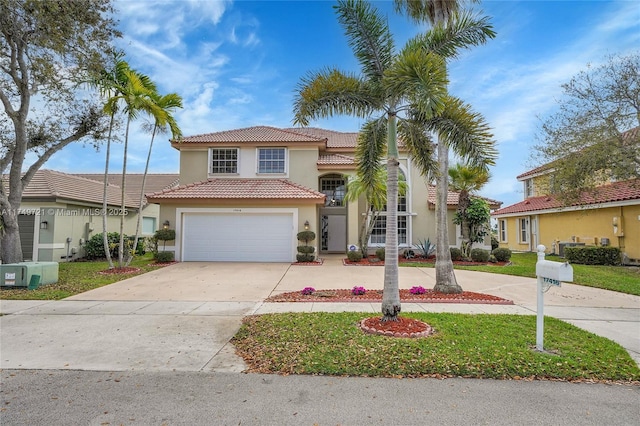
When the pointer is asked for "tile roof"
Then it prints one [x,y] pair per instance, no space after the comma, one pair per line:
[334,139]
[613,192]
[47,184]
[252,134]
[336,160]
[133,182]
[453,198]
[236,188]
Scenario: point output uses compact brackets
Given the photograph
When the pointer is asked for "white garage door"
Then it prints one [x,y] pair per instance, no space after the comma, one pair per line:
[237,237]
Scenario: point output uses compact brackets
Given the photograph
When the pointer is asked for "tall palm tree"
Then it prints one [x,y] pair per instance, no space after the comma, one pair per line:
[442,14]
[410,82]
[107,82]
[466,180]
[137,92]
[163,121]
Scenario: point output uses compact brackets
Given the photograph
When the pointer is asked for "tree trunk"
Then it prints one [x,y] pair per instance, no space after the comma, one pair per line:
[123,205]
[445,278]
[144,180]
[463,205]
[105,236]
[391,293]
[10,249]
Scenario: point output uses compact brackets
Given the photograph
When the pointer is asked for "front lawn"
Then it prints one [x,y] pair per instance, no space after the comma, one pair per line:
[78,277]
[623,279]
[479,346]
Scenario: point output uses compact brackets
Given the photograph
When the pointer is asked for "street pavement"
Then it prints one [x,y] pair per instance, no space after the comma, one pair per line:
[154,349]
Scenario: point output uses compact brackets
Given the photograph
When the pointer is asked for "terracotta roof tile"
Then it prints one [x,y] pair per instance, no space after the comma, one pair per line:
[335,160]
[252,134]
[47,184]
[617,191]
[133,183]
[240,189]
[334,139]
[453,198]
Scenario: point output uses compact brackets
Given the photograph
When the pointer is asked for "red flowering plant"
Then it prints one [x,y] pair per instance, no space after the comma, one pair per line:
[417,290]
[307,291]
[358,290]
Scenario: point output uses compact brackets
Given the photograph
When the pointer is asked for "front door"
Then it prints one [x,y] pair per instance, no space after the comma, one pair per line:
[334,235]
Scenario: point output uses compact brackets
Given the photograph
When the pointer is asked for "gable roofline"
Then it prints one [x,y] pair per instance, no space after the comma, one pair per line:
[248,136]
[453,198]
[609,195]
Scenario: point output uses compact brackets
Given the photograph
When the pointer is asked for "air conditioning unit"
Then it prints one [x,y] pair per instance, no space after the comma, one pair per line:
[28,274]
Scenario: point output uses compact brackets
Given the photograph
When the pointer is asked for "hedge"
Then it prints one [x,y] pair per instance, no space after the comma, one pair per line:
[591,255]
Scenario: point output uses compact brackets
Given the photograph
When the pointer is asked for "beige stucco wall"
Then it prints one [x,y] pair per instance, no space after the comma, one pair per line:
[77,223]
[193,165]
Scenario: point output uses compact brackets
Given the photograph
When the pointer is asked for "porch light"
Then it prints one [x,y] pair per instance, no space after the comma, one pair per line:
[306,225]
[44,224]
[166,224]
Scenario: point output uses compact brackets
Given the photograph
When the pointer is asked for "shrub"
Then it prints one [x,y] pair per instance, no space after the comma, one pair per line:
[306,236]
[494,242]
[409,254]
[492,259]
[480,255]
[502,254]
[354,256]
[307,290]
[380,253]
[417,290]
[305,257]
[456,253]
[164,256]
[593,255]
[165,235]
[306,249]
[358,290]
[94,247]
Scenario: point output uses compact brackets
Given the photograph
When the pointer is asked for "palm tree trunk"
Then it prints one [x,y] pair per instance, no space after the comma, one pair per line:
[445,278]
[391,291]
[105,236]
[144,180]
[123,205]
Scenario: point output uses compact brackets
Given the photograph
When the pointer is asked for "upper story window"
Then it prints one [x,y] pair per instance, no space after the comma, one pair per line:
[224,160]
[528,188]
[334,187]
[272,160]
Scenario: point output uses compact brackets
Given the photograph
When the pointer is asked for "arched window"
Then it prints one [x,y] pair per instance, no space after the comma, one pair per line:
[334,187]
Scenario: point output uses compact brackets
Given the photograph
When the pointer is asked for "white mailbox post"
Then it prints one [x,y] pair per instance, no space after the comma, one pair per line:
[548,273]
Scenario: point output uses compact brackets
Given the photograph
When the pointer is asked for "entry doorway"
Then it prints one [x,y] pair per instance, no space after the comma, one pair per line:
[334,233]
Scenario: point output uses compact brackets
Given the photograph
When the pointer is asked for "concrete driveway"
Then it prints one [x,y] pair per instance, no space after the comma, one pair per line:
[181,317]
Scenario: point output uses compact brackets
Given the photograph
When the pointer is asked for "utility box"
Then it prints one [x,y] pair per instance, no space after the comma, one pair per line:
[28,274]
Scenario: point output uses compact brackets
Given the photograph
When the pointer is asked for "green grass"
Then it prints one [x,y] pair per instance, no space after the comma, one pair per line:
[622,279]
[77,277]
[478,346]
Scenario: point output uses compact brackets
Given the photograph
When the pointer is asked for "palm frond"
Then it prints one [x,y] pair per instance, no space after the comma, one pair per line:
[463,31]
[368,35]
[331,92]
[371,149]
[419,144]
[466,132]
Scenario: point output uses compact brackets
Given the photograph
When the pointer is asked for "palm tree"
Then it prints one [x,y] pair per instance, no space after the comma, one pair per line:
[442,14]
[410,81]
[107,83]
[163,121]
[466,180]
[137,92]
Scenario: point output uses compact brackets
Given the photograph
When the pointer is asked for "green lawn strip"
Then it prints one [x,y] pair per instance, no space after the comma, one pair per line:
[479,346]
[78,277]
[622,279]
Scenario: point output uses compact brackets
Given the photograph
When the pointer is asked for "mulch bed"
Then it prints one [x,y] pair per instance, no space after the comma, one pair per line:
[403,327]
[373,296]
[317,262]
[374,261]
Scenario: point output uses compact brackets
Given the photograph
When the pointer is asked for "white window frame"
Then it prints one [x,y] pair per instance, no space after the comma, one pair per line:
[224,148]
[154,226]
[502,224]
[528,188]
[260,160]
[523,230]
[380,239]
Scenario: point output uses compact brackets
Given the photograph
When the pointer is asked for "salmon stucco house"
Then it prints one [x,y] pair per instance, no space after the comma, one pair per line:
[245,194]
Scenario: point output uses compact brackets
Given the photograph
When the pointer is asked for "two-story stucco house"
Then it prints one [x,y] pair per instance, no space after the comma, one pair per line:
[608,216]
[246,193]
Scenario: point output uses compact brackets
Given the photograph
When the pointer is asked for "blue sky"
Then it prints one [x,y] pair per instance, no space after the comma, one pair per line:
[236,64]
